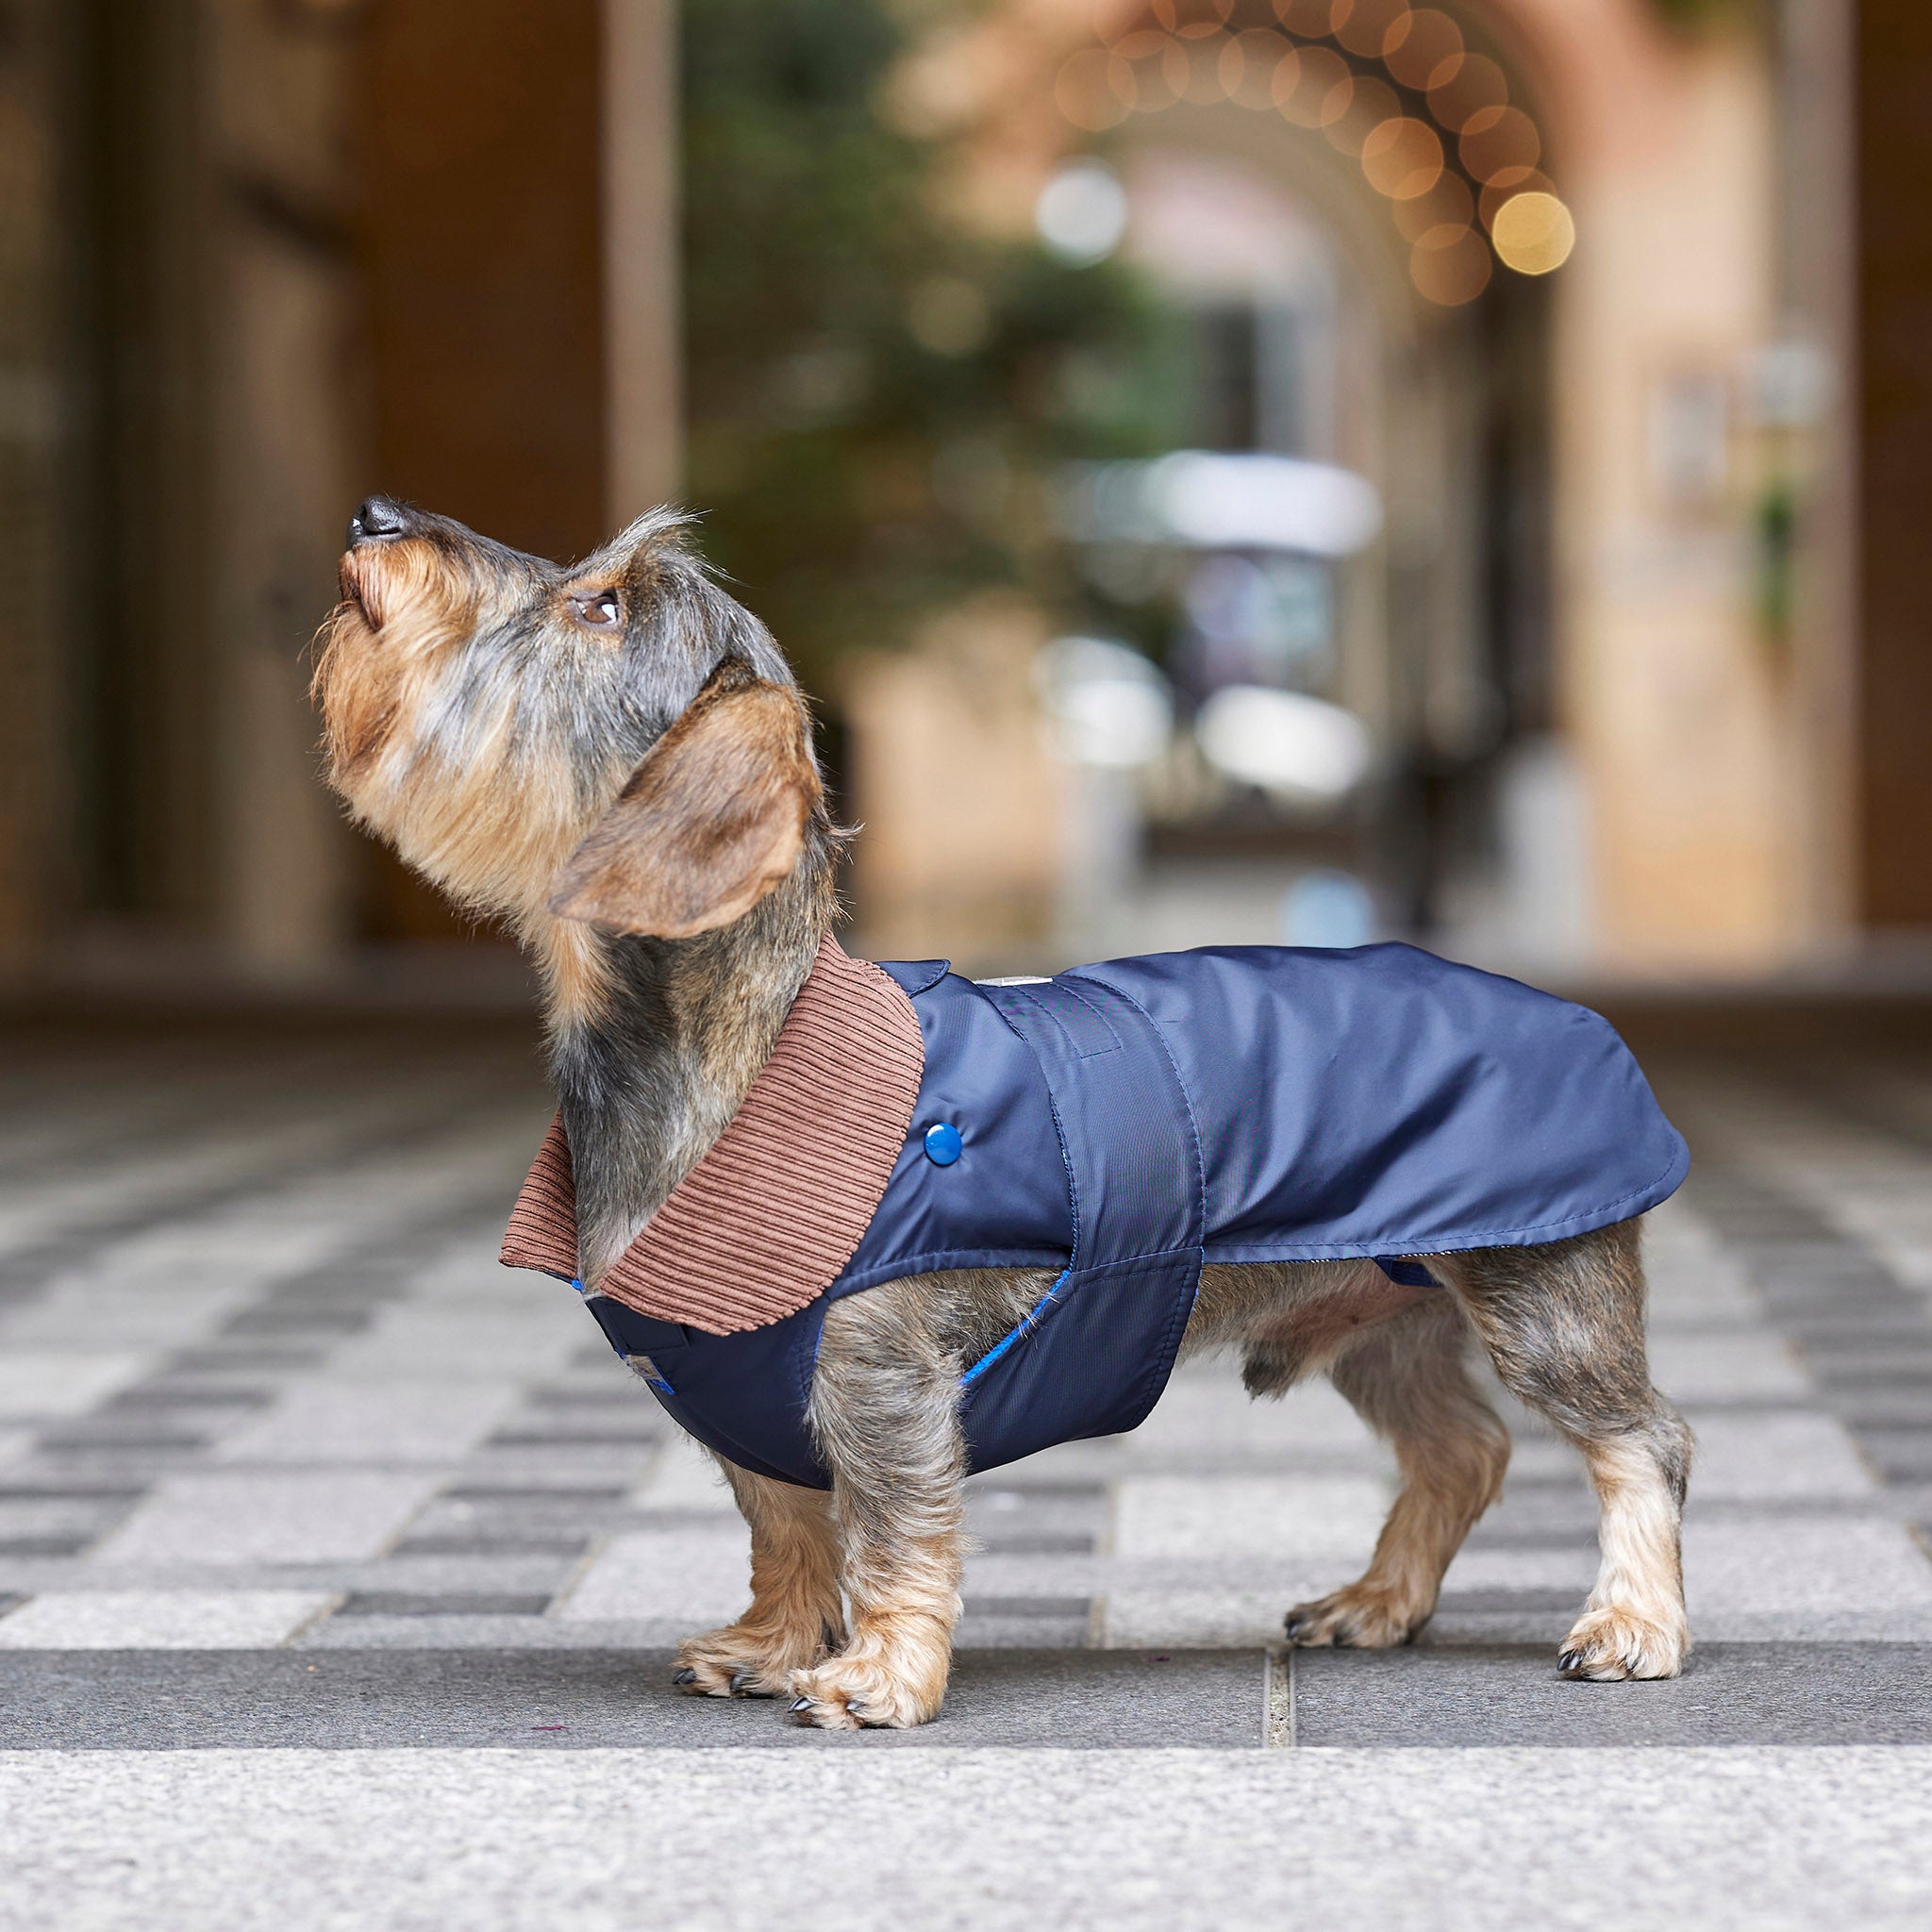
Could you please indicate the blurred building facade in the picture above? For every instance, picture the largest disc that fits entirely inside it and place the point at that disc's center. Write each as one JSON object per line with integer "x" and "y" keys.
{"x": 1611, "y": 615}
{"x": 1638, "y": 640}
{"x": 260, "y": 257}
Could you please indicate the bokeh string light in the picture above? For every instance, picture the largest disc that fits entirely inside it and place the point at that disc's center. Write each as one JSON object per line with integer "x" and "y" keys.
{"x": 1533, "y": 233}
{"x": 1394, "y": 87}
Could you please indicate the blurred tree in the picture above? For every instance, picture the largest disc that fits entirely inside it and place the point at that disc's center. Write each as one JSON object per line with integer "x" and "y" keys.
{"x": 877, "y": 394}
{"x": 1694, "y": 16}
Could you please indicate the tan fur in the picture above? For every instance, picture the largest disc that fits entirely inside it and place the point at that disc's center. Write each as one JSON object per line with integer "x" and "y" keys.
{"x": 892, "y": 1671}
{"x": 487, "y": 819}
{"x": 1563, "y": 1325}
{"x": 1410, "y": 1380}
{"x": 1634, "y": 1625}
{"x": 1399, "y": 1355}
{"x": 576, "y": 981}
{"x": 1291, "y": 1320}
{"x": 476, "y": 720}
{"x": 401, "y": 610}
{"x": 796, "y": 1612}
{"x": 711, "y": 821}
{"x": 885, "y": 1414}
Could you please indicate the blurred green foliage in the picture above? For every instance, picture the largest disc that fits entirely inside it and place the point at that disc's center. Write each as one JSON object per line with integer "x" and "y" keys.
{"x": 876, "y": 397}
{"x": 1696, "y": 16}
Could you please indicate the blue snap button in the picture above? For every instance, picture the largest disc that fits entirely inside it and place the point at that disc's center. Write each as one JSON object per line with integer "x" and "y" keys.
{"x": 943, "y": 1144}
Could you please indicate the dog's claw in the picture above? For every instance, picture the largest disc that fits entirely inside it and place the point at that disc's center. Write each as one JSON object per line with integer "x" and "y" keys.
{"x": 799, "y": 1704}
{"x": 687, "y": 1676}
{"x": 743, "y": 1685}
{"x": 1569, "y": 1663}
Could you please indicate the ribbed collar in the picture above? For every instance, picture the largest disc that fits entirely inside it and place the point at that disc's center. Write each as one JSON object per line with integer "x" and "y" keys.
{"x": 768, "y": 1219}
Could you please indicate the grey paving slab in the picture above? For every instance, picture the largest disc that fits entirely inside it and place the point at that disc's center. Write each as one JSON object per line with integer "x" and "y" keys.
{"x": 386, "y": 1422}
{"x": 1731, "y": 1694}
{"x": 572, "y": 1699}
{"x": 282, "y": 1516}
{"x": 1771, "y": 1455}
{"x": 832, "y": 1838}
{"x": 37, "y": 1382}
{"x": 1314, "y": 1516}
{"x": 1692, "y": 1369}
{"x": 407, "y": 1603}
{"x": 1899, "y": 1454}
{"x": 1788, "y": 1576}
{"x": 158, "y": 1619}
{"x": 696, "y": 1573}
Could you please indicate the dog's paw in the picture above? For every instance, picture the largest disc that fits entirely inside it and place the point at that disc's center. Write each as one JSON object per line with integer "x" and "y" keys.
{"x": 1610, "y": 1644}
{"x": 851, "y": 1692}
{"x": 738, "y": 1661}
{"x": 1361, "y": 1617}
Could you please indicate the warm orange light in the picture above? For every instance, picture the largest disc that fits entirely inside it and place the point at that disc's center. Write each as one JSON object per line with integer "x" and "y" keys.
{"x": 1450, "y": 265}
{"x": 1533, "y": 233}
{"x": 1150, "y": 71}
{"x": 1193, "y": 19}
{"x": 1402, "y": 158}
{"x": 1248, "y": 65}
{"x": 1176, "y": 69}
{"x": 1447, "y": 205}
{"x": 1506, "y": 182}
{"x": 1369, "y": 103}
{"x": 1498, "y": 138}
{"x": 1201, "y": 83}
{"x": 1315, "y": 89}
{"x": 1364, "y": 26}
{"x": 1422, "y": 49}
{"x": 1474, "y": 83}
{"x": 1308, "y": 18}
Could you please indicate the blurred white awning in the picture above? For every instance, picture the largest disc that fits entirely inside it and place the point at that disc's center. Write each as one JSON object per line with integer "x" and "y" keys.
{"x": 1206, "y": 501}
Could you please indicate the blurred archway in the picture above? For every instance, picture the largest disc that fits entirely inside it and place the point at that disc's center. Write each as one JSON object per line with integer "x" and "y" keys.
{"x": 1352, "y": 203}
{"x": 1593, "y": 702}
{"x": 1351, "y": 213}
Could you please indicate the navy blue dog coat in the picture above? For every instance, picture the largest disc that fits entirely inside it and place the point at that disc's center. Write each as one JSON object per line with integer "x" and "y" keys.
{"x": 1121, "y": 1124}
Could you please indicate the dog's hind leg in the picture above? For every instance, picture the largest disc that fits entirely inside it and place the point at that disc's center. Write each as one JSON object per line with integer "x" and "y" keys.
{"x": 1563, "y": 1325}
{"x": 795, "y": 1615}
{"x": 1408, "y": 1380}
{"x": 885, "y": 1412}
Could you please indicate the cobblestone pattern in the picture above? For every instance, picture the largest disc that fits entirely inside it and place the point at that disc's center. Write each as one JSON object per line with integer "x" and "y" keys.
{"x": 286, "y": 1459}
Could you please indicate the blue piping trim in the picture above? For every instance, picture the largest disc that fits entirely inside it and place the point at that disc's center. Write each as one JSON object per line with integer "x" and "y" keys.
{"x": 993, "y": 1354}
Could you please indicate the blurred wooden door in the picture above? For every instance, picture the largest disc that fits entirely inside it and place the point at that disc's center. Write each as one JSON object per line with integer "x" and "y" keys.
{"x": 478, "y": 177}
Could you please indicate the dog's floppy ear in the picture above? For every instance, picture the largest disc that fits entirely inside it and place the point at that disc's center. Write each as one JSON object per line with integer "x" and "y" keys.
{"x": 710, "y": 822}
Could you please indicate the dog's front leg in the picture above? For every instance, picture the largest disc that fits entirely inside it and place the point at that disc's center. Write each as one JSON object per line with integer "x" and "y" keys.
{"x": 885, "y": 1410}
{"x": 795, "y": 1614}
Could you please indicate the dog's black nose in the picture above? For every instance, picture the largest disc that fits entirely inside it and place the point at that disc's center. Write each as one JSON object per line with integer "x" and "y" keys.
{"x": 377, "y": 516}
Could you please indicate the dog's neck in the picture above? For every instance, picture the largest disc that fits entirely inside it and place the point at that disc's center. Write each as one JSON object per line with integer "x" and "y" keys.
{"x": 650, "y": 1068}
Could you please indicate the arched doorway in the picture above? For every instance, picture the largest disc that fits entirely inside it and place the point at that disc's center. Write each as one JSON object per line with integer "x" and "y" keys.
{"x": 1353, "y": 208}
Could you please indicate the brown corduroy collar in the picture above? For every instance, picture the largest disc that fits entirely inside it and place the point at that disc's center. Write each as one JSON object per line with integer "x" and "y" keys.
{"x": 768, "y": 1219}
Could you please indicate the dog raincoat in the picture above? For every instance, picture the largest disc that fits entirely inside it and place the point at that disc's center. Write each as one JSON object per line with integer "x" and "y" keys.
{"x": 1121, "y": 1124}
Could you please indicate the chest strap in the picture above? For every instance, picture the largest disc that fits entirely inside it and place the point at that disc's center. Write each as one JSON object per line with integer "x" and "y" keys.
{"x": 1093, "y": 1359}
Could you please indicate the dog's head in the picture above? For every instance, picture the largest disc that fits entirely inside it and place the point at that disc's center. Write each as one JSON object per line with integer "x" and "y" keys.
{"x": 615, "y": 742}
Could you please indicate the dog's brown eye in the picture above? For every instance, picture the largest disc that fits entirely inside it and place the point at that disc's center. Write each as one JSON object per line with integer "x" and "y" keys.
{"x": 601, "y": 610}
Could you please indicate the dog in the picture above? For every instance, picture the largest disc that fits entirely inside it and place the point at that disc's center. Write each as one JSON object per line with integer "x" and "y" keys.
{"x": 615, "y": 759}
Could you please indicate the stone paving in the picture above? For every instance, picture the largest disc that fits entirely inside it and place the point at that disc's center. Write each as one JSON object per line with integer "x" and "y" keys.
{"x": 339, "y": 1565}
